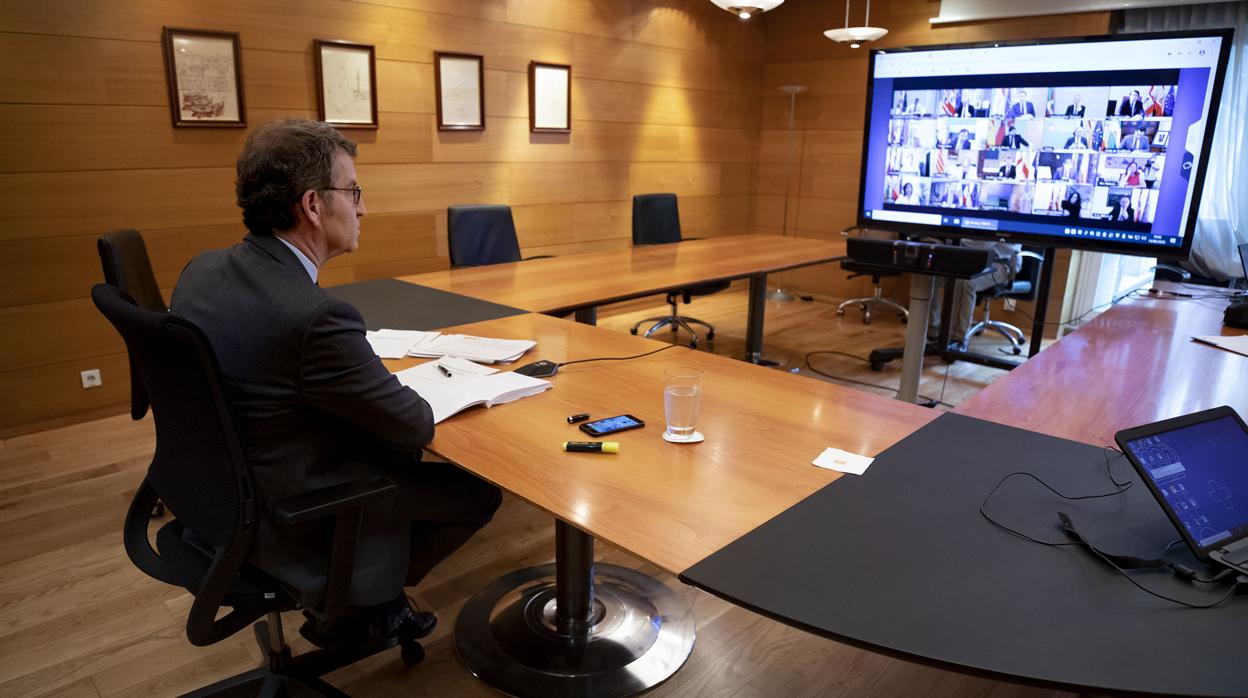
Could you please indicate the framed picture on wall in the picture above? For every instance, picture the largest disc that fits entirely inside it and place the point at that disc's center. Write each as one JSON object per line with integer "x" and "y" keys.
{"x": 550, "y": 97}
{"x": 459, "y": 79}
{"x": 346, "y": 84}
{"x": 205, "y": 76}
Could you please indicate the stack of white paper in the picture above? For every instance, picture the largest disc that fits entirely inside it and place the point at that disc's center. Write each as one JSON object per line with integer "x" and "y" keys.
{"x": 1235, "y": 343}
{"x": 480, "y": 349}
{"x": 453, "y": 395}
{"x": 394, "y": 344}
{"x": 432, "y": 372}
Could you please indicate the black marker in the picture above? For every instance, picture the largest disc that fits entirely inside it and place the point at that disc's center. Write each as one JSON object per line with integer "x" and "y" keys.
{"x": 444, "y": 371}
{"x": 592, "y": 446}
{"x": 578, "y": 418}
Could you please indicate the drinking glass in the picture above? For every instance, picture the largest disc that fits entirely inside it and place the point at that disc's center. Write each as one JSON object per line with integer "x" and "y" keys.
{"x": 682, "y": 398}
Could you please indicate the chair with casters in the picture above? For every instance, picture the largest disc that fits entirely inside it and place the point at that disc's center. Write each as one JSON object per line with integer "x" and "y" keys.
{"x": 1023, "y": 287}
{"x": 656, "y": 221}
{"x": 481, "y": 234}
{"x": 870, "y": 303}
{"x": 199, "y": 470}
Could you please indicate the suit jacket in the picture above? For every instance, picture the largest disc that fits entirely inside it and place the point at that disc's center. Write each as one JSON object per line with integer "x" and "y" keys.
{"x": 1071, "y": 111}
{"x": 1013, "y": 140}
{"x": 1126, "y": 108}
{"x": 314, "y": 404}
{"x": 1076, "y": 142}
{"x": 1135, "y": 141}
{"x": 1022, "y": 109}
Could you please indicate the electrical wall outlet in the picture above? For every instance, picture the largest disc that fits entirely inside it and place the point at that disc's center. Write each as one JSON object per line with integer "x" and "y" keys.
{"x": 1011, "y": 305}
{"x": 91, "y": 378}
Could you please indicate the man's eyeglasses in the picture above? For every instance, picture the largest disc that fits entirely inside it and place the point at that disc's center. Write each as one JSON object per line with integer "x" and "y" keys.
{"x": 356, "y": 192}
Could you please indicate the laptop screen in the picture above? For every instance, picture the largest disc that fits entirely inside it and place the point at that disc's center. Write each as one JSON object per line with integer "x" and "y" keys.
{"x": 1243, "y": 258}
{"x": 1202, "y": 472}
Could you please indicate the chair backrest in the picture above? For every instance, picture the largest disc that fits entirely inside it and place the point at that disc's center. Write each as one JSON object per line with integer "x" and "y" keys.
{"x": 481, "y": 234}
{"x": 199, "y": 470}
{"x": 656, "y": 219}
{"x": 127, "y": 266}
{"x": 1028, "y": 278}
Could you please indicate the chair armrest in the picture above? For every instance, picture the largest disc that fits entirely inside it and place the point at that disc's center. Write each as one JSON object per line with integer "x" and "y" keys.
{"x": 327, "y": 501}
{"x": 538, "y": 256}
{"x": 1027, "y": 254}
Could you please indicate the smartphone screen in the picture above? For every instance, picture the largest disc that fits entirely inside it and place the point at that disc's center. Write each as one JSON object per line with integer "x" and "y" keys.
{"x": 610, "y": 425}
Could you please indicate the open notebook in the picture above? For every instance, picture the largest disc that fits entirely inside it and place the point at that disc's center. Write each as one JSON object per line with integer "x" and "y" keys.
{"x": 464, "y": 390}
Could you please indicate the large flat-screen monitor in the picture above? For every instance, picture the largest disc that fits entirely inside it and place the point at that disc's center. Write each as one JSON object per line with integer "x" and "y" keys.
{"x": 1094, "y": 142}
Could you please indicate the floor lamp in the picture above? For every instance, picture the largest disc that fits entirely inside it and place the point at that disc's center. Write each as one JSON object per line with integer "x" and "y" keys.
{"x": 792, "y": 91}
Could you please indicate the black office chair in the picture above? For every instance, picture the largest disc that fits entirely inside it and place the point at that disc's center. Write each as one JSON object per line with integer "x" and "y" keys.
{"x": 1024, "y": 287}
{"x": 482, "y": 234}
{"x": 656, "y": 221}
{"x": 868, "y": 304}
{"x": 127, "y": 266}
{"x": 200, "y": 472}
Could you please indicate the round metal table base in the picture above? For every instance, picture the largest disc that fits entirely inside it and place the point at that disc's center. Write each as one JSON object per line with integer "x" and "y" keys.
{"x": 639, "y": 633}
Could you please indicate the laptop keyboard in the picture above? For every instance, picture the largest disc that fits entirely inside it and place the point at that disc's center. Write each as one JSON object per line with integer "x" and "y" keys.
{"x": 1236, "y": 557}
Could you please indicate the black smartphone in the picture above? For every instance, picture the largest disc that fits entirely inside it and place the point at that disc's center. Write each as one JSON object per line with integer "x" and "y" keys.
{"x": 610, "y": 425}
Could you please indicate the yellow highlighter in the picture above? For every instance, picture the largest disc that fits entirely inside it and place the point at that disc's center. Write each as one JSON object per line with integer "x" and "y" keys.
{"x": 592, "y": 446}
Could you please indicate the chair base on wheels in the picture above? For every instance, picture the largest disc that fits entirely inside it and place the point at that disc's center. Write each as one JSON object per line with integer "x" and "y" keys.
{"x": 677, "y": 323}
{"x": 1004, "y": 329}
{"x": 868, "y": 303}
{"x": 288, "y": 675}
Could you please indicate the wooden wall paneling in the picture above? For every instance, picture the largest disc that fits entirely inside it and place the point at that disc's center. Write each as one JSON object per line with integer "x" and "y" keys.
{"x": 566, "y": 182}
{"x": 71, "y": 138}
{"x": 406, "y": 86}
{"x": 669, "y": 83}
{"x": 51, "y": 333}
{"x": 55, "y": 390}
{"x": 505, "y": 139}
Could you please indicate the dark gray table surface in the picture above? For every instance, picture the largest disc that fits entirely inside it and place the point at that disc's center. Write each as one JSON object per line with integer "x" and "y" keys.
{"x": 398, "y": 305}
{"x": 900, "y": 561}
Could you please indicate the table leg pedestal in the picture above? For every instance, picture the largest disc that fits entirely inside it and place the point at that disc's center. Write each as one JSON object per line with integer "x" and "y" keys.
{"x": 574, "y": 628}
{"x": 921, "y": 288}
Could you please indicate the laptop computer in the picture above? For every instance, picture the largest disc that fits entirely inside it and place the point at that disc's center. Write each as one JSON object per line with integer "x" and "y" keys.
{"x": 1243, "y": 259}
{"x": 1197, "y": 468}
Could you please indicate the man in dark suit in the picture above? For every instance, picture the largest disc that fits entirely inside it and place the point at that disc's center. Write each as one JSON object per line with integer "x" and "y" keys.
{"x": 1013, "y": 140}
{"x": 1076, "y": 140}
{"x": 961, "y": 141}
{"x": 314, "y": 403}
{"x": 1137, "y": 140}
{"x": 1131, "y": 105}
{"x": 1023, "y": 107}
{"x": 1076, "y": 107}
{"x": 1122, "y": 210}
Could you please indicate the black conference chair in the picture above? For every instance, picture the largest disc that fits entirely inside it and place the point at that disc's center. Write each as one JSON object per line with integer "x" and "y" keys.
{"x": 656, "y": 221}
{"x": 201, "y": 474}
{"x": 870, "y": 303}
{"x": 482, "y": 234}
{"x": 1023, "y": 287}
{"x": 127, "y": 266}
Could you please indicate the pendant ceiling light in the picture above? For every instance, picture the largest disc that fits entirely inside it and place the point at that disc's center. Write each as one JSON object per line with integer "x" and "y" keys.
{"x": 748, "y": 8}
{"x": 854, "y": 36}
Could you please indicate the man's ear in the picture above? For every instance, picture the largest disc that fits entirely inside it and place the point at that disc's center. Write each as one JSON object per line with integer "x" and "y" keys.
{"x": 311, "y": 207}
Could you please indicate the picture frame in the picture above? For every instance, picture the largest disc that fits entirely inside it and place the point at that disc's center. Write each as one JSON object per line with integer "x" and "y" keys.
{"x": 550, "y": 97}
{"x": 459, "y": 81}
{"x": 346, "y": 83}
{"x": 204, "y": 72}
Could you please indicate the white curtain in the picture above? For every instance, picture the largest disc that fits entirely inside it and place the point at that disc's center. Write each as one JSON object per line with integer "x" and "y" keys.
{"x": 1222, "y": 223}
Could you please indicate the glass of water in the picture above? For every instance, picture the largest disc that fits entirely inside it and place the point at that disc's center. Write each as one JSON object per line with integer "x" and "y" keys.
{"x": 682, "y": 398}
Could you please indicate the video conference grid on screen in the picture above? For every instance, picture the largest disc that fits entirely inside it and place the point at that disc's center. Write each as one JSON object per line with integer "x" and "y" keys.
{"x": 1051, "y": 148}
{"x": 1041, "y": 150}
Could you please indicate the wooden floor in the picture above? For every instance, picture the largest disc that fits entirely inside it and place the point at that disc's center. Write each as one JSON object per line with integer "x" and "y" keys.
{"x": 77, "y": 619}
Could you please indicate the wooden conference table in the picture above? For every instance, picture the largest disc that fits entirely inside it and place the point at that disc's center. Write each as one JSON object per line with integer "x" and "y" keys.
{"x": 668, "y": 504}
{"x": 580, "y": 283}
{"x": 1134, "y": 364}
